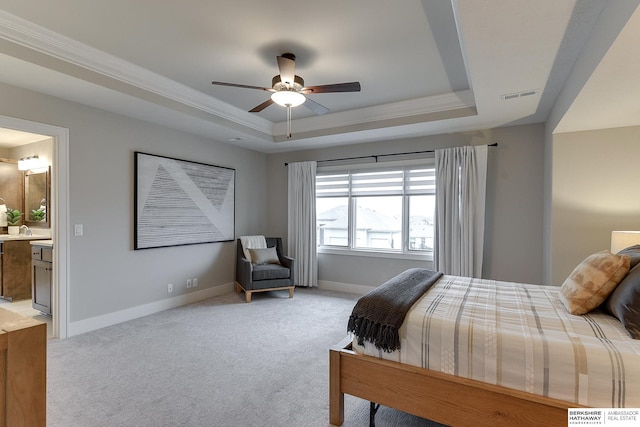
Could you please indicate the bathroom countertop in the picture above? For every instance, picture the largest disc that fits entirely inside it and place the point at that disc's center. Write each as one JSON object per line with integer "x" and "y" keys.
{"x": 47, "y": 242}
{"x": 7, "y": 237}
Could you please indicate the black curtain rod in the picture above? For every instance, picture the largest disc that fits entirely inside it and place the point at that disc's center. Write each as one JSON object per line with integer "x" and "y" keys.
{"x": 375, "y": 156}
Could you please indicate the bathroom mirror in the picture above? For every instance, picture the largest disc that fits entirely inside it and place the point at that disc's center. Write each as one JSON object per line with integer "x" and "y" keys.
{"x": 36, "y": 197}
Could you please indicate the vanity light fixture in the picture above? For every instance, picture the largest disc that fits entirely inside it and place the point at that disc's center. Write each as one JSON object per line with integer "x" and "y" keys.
{"x": 31, "y": 162}
{"x": 23, "y": 164}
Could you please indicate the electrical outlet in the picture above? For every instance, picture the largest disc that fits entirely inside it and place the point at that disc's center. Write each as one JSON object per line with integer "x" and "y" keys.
{"x": 188, "y": 283}
{"x": 195, "y": 282}
{"x": 170, "y": 287}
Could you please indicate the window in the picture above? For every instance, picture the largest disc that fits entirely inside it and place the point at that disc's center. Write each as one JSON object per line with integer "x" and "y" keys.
{"x": 385, "y": 209}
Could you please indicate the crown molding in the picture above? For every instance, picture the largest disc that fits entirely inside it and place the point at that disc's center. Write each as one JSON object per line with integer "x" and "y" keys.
{"x": 50, "y": 43}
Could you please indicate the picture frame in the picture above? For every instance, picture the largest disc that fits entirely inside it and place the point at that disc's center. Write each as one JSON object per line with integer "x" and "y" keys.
{"x": 180, "y": 202}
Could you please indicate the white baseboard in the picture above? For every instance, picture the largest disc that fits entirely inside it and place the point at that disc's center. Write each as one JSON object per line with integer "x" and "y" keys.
{"x": 93, "y": 323}
{"x": 344, "y": 287}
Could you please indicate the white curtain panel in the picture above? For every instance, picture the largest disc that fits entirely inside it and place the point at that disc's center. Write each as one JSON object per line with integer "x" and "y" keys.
{"x": 461, "y": 177}
{"x": 302, "y": 222}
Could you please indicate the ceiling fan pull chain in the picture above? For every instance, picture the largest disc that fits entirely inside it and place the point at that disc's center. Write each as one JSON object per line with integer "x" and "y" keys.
{"x": 288, "y": 121}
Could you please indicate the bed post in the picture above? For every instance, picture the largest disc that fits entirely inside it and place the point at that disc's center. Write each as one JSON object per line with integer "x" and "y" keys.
{"x": 336, "y": 397}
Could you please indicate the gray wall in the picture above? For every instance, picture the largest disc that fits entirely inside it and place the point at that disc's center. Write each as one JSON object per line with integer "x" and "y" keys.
{"x": 106, "y": 274}
{"x": 594, "y": 191}
{"x": 513, "y": 238}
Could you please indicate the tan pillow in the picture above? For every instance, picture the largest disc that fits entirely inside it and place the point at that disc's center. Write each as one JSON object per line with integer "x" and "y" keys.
{"x": 592, "y": 281}
{"x": 264, "y": 256}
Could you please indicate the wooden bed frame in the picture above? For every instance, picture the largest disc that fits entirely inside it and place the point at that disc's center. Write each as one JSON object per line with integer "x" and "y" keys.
{"x": 433, "y": 395}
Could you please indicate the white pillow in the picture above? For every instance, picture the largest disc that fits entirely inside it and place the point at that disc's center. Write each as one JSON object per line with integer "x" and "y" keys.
{"x": 264, "y": 256}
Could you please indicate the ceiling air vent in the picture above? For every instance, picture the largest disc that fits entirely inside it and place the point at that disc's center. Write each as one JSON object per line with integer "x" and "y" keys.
{"x": 517, "y": 95}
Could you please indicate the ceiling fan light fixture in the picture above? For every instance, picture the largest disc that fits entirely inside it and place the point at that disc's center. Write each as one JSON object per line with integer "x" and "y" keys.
{"x": 288, "y": 98}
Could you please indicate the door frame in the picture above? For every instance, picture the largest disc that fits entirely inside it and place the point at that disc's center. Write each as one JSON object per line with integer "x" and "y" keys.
{"x": 59, "y": 218}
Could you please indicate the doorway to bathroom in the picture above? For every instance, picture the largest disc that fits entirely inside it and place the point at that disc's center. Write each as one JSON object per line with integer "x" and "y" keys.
{"x": 15, "y": 133}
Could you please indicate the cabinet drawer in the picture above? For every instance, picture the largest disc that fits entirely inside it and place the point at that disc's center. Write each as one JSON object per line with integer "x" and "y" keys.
{"x": 41, "y": 253}
{"x": 47, "y": 254}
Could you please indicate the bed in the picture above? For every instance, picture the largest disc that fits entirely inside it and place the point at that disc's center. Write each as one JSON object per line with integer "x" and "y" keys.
{"x": 483, "y": 352}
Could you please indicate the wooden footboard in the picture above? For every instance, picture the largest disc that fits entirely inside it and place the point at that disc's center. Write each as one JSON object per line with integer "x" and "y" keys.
{"x": 433, "y": 395}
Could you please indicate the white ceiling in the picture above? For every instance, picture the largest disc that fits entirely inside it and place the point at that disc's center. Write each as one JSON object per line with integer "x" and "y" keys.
{"x": 425, "y": 67}
{"x": 10, "y": 138}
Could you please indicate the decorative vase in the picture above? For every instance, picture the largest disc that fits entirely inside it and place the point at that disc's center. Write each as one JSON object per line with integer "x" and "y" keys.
{"x": 14, "y": 229}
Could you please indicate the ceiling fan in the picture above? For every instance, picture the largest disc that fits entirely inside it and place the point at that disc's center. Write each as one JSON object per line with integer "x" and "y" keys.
{"x": 289, "y": 89}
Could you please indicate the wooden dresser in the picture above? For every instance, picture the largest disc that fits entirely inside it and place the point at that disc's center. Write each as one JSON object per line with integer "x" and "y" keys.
{"x": 23, "y": 370}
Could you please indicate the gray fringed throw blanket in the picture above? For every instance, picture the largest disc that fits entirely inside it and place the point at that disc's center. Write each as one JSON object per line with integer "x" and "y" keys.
{"x": 378, "y": 315}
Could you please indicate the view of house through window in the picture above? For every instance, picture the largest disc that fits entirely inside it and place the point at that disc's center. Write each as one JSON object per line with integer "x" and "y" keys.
{"x": 378, "y": 222}
{"x": 422, "y": 210}
{"x": 388, "y": 210}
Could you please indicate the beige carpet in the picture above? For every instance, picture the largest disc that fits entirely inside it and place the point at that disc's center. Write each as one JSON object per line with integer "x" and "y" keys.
{"x": 219, "y": 362}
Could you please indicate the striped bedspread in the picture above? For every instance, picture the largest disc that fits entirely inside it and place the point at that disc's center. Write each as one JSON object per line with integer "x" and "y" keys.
{"x": 519, "y": 336}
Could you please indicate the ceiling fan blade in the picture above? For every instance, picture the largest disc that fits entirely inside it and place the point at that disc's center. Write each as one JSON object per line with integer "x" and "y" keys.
{"x": 287, "y": 67}
{"x": 319, "y": 109}
{"x": 243, "y": 86}
{"x": 337, "y": 87}
{"x": 262, "y": 106}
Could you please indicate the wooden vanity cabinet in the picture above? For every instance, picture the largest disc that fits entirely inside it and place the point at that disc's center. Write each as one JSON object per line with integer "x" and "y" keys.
{"x": 15, "y": 270}
{"x": 42, "y": 277}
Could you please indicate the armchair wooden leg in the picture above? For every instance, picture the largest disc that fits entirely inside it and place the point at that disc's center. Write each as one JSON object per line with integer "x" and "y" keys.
{"x": 247, "y": 296}
{"x": 291, "y": 292}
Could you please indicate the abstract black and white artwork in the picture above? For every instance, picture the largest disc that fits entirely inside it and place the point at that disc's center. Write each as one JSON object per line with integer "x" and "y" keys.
{"x": 178, "y": 202}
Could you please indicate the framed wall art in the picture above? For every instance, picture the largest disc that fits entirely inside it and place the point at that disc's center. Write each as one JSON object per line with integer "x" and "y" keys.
{"x": 178, "y": 202}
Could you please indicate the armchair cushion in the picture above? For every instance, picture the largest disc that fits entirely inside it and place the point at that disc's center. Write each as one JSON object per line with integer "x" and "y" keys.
{"x": 264, "y": 256}
{"x": 269, "y": 272}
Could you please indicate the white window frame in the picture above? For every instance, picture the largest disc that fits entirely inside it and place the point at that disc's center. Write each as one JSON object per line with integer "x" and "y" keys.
{"x": 350, "y": 249}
